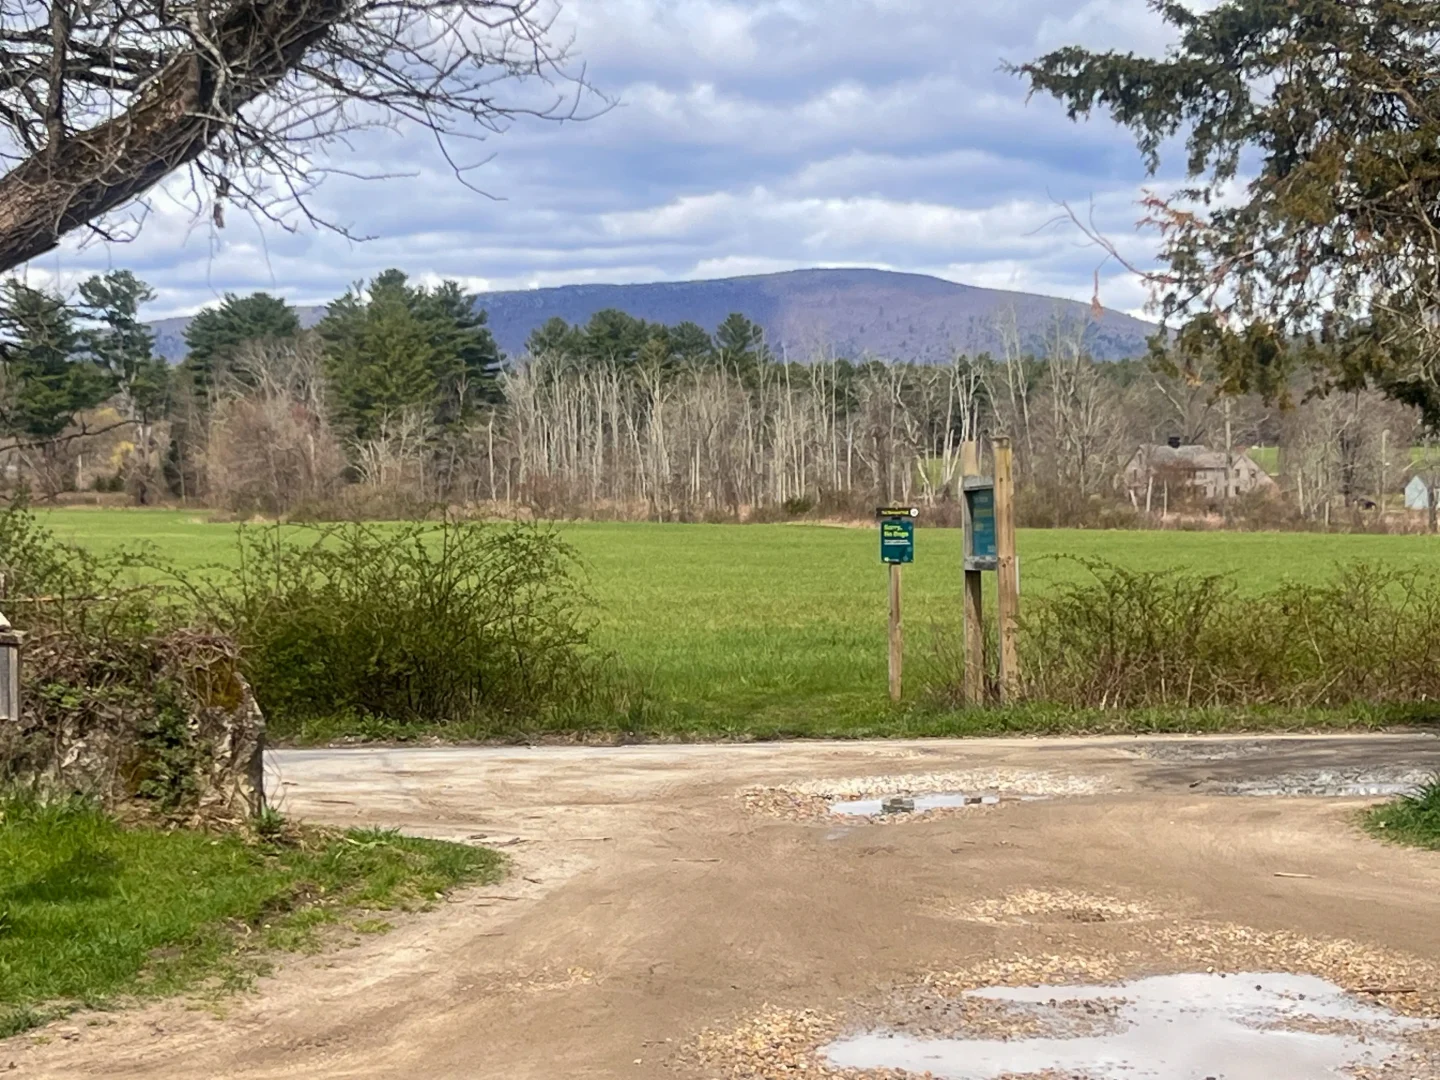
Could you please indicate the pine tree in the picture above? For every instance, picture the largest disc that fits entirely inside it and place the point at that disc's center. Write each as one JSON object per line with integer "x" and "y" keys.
{"x": 122, "y": 345}
{"x": 215, "y": 333}
{"x": 47, "y": 383}
{"x": 395, "y": 347}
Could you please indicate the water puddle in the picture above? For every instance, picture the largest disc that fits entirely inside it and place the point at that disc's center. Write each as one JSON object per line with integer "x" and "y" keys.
{"x": 1172, "y": 1027}
{"x": 909, "y": 804}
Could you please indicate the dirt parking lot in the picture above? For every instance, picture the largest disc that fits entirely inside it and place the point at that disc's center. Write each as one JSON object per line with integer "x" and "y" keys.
{"x": 705, "y": 911}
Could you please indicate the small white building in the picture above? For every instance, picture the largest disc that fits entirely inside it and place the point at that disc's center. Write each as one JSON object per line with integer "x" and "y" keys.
{"x": 1417, "y": 494}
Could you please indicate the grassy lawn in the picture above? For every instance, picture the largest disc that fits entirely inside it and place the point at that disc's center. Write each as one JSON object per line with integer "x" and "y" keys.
{"x": 780, "y": 629}
{"x": 1410, "y": 819}
{"x": 91, "y": 913}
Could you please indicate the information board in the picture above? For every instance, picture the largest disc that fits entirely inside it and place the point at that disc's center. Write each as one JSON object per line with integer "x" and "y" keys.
{"x": 981, "y": 552}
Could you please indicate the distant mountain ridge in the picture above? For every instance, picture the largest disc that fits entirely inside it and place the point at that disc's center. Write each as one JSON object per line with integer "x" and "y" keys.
{"x": 805, "y": 313}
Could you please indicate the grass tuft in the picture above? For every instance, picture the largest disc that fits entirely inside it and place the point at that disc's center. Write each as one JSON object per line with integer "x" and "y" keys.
{"x": 1412, "y": 819}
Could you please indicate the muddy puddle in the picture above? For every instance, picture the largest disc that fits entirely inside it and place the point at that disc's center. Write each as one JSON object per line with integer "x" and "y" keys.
{"x": 1172, "y": 1027}
{"x": 863, "y": 799}
{"x": 908, "y": 804}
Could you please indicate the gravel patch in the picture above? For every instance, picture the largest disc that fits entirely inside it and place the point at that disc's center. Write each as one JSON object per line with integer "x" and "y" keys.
{"x": 1208, "y": 750}
{"x": 1045, "y": 906}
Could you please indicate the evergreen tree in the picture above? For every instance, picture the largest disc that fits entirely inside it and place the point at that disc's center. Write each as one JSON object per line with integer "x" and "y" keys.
{"x": 214, "y": 333}
{"x": 657, "y": 353}
{"x": 740, "y": 344}
{"x": 556, "y": 338}
{"x": 613, "y": 336}
{"x": 691, "y": 343}
{"x": 468, "y": 360}
{"x": 46, "y": 382}
{"x": 122, "y": 345}
{"x": 1310, "y": 130}
{"x": 395, "y": 347}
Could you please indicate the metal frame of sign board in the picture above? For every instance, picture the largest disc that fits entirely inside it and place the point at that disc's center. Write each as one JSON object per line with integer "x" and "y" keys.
{"x": 969, "y": 486}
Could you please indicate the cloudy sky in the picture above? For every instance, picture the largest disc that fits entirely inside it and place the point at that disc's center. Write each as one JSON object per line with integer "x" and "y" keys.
{"x": 749, "y": 136}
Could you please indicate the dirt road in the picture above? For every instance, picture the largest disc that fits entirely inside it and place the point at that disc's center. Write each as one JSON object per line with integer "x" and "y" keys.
{"x": 700, "y": 911}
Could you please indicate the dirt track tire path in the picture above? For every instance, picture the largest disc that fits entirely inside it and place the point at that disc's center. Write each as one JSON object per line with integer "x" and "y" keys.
{"x": 647, "y": 904}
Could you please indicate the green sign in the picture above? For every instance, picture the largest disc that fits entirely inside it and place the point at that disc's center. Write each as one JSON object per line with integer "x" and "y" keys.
{"x": 897, "y": 539}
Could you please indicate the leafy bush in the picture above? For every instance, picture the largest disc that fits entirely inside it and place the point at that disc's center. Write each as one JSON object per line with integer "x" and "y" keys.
{"x": 421, "y": 621}
{"x": 1167, "y": 638}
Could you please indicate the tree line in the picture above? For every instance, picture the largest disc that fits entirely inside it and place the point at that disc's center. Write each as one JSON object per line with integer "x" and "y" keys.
{"x": 400, "y": 395}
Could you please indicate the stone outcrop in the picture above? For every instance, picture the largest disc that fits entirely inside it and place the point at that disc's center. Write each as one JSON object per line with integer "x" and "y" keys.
{"x": 163, "y": 727}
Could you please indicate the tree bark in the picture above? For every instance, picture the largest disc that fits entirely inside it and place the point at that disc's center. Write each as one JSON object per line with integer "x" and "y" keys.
{"x": 84, "y": 175}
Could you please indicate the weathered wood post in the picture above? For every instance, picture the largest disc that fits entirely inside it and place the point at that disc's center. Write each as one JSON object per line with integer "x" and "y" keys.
{"x": 974, "y": 597}
{"x": 9, "y": 671}
{"x": 897, "y": 547}
{"x": 1008, "y": 571}
{"x": 897, "y": 641}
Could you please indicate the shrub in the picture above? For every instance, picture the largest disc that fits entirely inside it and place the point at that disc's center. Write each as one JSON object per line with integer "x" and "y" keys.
{"x": 1125, "y": 638}
{"x": 420, "y": 621}
{"x": 108, "y": 484}
{"x": 367, "y": 502}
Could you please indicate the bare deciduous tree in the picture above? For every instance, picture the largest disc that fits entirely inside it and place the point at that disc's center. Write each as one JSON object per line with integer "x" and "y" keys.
{"x": 102, "y": 99}
{"x": 269, "y": 446}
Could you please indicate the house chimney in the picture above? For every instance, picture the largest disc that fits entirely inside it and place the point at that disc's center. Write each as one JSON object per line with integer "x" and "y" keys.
{"x": 1173, "y": 442}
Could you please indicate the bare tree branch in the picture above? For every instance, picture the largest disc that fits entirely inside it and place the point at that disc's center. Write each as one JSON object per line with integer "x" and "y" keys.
{"x": 100, "y": 101}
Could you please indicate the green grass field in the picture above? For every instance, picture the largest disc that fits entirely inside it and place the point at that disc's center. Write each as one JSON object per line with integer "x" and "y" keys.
{"x": 780, "y": 629}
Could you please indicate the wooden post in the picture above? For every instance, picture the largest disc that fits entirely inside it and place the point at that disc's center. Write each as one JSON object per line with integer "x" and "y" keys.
{"x": 974, "y": 603}
{"x": 1008, "y": 571}
{"x": 9, "y": 672}
{"x": 896, "y": 641}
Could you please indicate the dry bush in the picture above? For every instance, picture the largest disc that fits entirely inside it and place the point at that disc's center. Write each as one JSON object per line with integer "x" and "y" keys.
{"x": 366, "y": 502}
